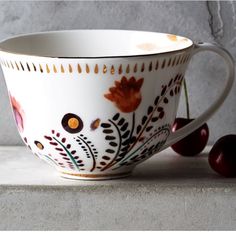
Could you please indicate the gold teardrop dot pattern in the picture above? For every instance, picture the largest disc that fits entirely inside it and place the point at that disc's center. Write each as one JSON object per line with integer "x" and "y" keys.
{"x": 109, "y": 69}
{"x": 96, "y": 69}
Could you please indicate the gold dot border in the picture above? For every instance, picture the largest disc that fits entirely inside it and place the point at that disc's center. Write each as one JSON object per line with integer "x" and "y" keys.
{"x": 104, "y": 69}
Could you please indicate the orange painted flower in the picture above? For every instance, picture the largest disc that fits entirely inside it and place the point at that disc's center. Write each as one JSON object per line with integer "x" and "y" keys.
{"x": 18, "y": 113}
{"x": 126, "y": 94}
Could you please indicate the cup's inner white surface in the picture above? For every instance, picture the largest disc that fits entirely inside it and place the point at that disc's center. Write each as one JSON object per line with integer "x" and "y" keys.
{"x": 94, "y": 43}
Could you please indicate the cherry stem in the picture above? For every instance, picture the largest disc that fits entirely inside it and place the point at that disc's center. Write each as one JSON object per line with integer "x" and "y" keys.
{"x": 186, "y": 99}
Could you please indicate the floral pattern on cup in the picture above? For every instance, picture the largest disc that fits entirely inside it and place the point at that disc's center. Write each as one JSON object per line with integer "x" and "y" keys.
{"x": 128, "y": 142}
{"x": 126, "y": 94}
{"x": 18, "y": 113}
{"x": 72, "y": 123}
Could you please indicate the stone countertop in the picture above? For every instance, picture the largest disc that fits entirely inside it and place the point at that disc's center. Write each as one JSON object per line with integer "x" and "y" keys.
{"x": 165, "y": 192}
{"x": 19, "y": 167}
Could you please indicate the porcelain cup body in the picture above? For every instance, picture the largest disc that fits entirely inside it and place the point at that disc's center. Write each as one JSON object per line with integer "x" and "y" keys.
{"x": 94, "y": 104}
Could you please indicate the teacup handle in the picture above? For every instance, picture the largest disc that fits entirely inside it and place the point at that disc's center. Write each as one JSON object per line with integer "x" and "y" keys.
{"x": 186, "y": 130}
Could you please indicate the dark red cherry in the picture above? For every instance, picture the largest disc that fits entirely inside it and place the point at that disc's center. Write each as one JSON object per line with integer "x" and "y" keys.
{"x": 222, "y": 157}
{"x": 194, "y": 143}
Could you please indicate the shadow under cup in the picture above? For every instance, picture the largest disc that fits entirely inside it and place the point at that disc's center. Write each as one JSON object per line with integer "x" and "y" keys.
{"x": 95, "y": 103}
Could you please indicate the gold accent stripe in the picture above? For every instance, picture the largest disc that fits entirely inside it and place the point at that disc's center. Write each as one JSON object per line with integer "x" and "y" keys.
{"x": 104, "y": 69}
{"x": 157, "y": 65}
{"x": 70, "y": 68}
{"x": 143, "y": 67}
{"x": 13, "y": 66}
{"x": 40, "y": 68}
{"x": 17, "y": 66}
{"x": 79, "y": 68}
{"x": 169, "y": 62}
{"x": 120, "y": 69}
{"x": 22, "y": 67}
{"x": 163, "y": 64}
{"x": 62, "y": 69}
{"x": 175, "y": 60}
{"x": 112, "y": 70}
{"x": 54, "y": 69}
{"x": 177, "y": 63}
{"x": 87, "y": 69}
{"x": 47, "y": 68}
{"x": 96, "y": 175}
{"x": 35, "y": 69}
{"x": 28, "y": 66}
{"x": 96, "y": 69}
{"x": 127, "y": 69}
{"x": 150, "y": 66}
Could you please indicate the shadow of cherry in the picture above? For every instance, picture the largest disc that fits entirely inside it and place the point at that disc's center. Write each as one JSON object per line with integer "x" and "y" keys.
{"x": 175, "y": 168}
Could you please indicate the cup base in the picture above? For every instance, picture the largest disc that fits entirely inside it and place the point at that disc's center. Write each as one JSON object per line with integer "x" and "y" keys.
{"x": 94, "y": 176}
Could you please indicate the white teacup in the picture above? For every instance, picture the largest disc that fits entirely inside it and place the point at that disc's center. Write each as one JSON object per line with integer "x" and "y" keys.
{"x": 95, "y": 103}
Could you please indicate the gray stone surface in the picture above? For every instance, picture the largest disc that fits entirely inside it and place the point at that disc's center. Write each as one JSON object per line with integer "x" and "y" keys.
{"x": 212, "y": 22}
{"x": 166, "y": 192}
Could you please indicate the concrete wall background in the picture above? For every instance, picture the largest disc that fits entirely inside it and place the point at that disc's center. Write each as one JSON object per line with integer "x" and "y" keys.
{"x": 205, "y": 21}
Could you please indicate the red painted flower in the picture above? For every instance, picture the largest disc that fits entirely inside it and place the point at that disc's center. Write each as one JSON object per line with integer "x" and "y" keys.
{"x": 126, "y": 94}
{"x": 18, "y": 113}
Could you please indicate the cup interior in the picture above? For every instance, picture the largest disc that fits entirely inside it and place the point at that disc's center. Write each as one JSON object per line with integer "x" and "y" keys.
{"x": 94, "y": 43}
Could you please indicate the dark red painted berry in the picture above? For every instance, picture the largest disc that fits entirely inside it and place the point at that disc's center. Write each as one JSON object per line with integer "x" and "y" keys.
{"x": 194, "y": 143}
{"x": 222, "y": 157}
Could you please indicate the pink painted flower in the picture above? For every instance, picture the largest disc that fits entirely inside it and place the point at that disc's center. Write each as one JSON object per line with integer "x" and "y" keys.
{"x": 18, "y": 113}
